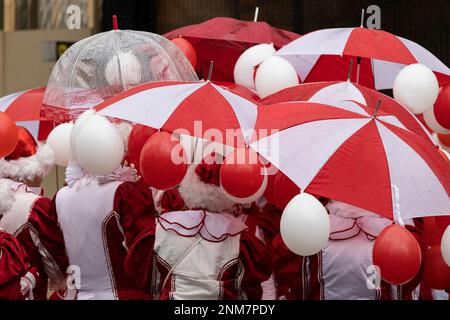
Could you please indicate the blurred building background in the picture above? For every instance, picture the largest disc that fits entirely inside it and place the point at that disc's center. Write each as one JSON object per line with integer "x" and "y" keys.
{"x": 36, "y": 32}
{"x": 423, "y": 21}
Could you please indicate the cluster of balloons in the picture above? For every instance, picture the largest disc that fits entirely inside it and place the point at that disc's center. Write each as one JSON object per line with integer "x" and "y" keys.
{"x": 164, "y": 163}
{"x": 93, "y": 141}
{"x": 8, "y": 134}
{"x": 259, "y": 69}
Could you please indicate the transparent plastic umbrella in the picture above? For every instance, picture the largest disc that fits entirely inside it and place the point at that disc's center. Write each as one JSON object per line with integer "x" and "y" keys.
{"x": 101, "y": 66}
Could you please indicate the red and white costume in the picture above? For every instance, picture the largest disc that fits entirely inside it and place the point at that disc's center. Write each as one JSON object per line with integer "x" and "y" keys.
{"x": 27, "y": 221}
{"x": 99, "y": 218}
{"x": 25, "y": 213}
{"x": 343, "y": 269}
{"x": 209, "y": 251}
{"x": 17, "y": 278}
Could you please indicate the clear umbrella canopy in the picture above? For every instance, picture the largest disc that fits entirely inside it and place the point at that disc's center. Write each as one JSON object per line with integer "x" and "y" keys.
{"x": 103, "y": 65}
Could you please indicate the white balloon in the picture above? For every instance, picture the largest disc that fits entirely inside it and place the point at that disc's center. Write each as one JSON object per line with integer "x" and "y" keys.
{"x": 416, "y": 87}
{"x": 99, "y": 147}
{"x": 244, "y": 67}
{"x": 77, "y": 127}
{"x": 273, "y": 75}
{"x": 430, "y": 120}
{"x": 254, "y": 197}
{"x": 59, "y": 141}
{"x": 305, "y": 225}
{"x": 129, "y": 73}
{"x": 445, "y": 246}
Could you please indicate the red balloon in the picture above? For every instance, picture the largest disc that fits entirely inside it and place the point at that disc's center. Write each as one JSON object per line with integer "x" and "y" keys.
{"x": 242, "y": 173}
{"x": 284, "y": 190}
{"x": 138, "y": 137}
{"x": 8, "y": 135}
{"x": 442, "y": 107}
{"x": 436, "y": 273}
{"x": 397, "y": 253}
{"x": 163, "y": 161}
{"x": 444, "y": 139}
{"x": 188, "y": 50}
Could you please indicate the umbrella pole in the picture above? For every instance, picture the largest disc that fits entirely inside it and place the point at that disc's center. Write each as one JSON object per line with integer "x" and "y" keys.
{"x": 349, "y": 75}
{"x": 358, "y": 67}
{"x": 210, "y": 71}
{"x": 255, "y": 19}
{"x": 57, "y": 178}
{"x": 376, "y": 109}
{"x": 119, "y": 65}
{"x": 362, "y": 18}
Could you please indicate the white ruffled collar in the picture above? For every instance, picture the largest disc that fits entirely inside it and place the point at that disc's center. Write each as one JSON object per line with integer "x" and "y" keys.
{"x": 348, "y": 221}
{"x": 212, "y": 227}
{"x": 76, "y": 176}
{"x": 20, "y": 186}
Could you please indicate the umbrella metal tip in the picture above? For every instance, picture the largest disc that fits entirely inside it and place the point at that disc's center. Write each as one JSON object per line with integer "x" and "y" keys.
{"x": 115, "y": 23}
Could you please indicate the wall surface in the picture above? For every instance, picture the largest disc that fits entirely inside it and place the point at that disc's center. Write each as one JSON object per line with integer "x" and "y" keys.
{"x": 23, "y": 62}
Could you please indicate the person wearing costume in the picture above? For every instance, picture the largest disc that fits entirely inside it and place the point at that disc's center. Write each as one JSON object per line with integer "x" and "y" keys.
{"x": 25, "y": 212}
{"x": 207, "y": 250}
{"x": 342, "y": 270}
{"x": 17, "y": 277}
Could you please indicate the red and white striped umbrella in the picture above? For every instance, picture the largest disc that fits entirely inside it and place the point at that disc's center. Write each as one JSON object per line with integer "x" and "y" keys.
{"x": 324, "y": 55}
{"x": 25, "y": 109}
{"x": 353, "y": 97}
{"x": 368, "y": 161}
{"x": 200, "y": 109}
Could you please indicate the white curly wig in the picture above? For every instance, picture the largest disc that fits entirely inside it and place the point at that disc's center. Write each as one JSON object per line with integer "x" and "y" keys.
{"x": 28, "y": 168}
{"x": 197, "y": 194}
{"x": 6, "y": 196}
